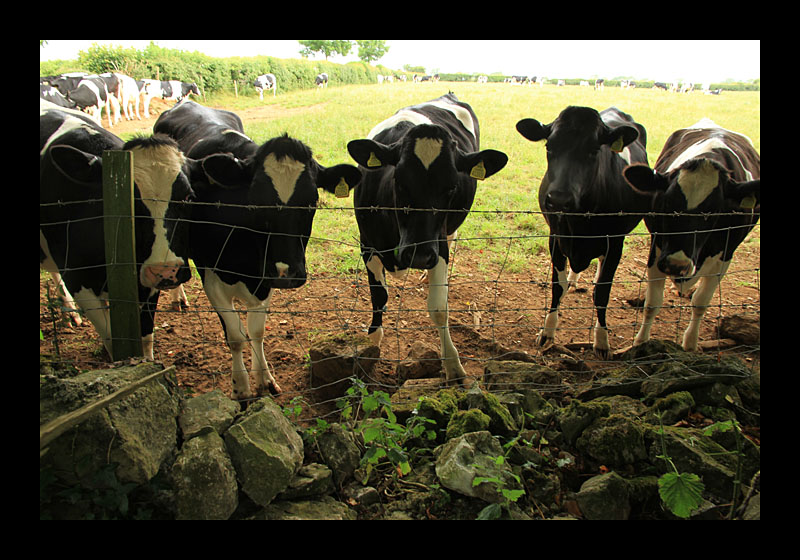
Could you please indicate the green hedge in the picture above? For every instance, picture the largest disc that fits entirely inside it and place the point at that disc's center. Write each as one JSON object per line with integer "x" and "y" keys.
{"x": 211, "y": 74}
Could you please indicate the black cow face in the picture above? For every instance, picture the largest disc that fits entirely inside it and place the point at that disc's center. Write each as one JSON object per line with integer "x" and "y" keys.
{"x": 575, "y": 141}
{"x": 687, "y": 203}
{"x": 162, "y": 190}
{"x": 431, "y": 175}
{"x": 282, "y": 181}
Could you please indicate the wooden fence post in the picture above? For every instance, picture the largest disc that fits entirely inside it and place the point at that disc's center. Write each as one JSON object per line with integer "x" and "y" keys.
{"x": 118, "y": 225}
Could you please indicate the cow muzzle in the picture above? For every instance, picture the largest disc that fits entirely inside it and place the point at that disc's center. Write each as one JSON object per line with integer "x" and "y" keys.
{"x": 419, "y": 255}
{"x": 560, "y": 201}
{"x": 164, "y": 276}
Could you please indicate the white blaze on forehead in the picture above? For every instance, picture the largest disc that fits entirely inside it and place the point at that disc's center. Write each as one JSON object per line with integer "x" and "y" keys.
{"x": 155, "y": 169}
{"x": 698, "y": 184}
{"x": 284, "y": 174}
{"x": 427, "y": 150}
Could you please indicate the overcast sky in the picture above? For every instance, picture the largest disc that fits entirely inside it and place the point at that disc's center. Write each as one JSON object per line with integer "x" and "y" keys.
{"x": 660, "y": 60}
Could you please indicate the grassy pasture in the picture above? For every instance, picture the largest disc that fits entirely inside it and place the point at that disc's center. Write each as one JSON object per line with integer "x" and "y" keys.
{"x": 327, "y": 119}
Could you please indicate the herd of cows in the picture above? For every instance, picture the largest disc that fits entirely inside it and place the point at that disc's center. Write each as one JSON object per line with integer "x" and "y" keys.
{"x": 113, "y": 91}
{"x": 243, "y": 212}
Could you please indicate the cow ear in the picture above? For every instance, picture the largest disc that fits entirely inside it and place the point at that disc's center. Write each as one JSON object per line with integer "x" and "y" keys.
{"x": 644, "y": 179}
{"x": 226, "y": 171}
{"x": 533, "y": 130}
{"x": 373, "y": 155}
{"x": 620, "y": 137}
{"x": 481, "y": 165}
{"x": 77, "y": 165}
{"x": 339, "y": 179}
{"x": 746, "y": 195}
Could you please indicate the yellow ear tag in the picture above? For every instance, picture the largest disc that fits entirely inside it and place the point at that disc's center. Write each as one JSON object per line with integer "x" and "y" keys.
{"x": 373, "y": 161}
{"x": 342, "y": 189}
{"x": 617, "y": 145}
{"x": 748, "y": 202}
{"x": 478, "y": 172}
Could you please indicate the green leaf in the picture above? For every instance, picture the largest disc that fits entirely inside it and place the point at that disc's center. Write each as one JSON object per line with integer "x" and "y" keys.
{"x": 371, "y": 433}
{"x": 369, "y": 404}
{"x": 490, "y": 512}
{"x": 512, "y": 495}
{"x": 396, "y": 456}
{"x": 681, "y": 492}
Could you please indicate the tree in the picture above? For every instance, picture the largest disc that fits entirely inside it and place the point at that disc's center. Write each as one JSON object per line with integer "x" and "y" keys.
{"x": 371, "y": 50}
{"x": 325, "y": 47}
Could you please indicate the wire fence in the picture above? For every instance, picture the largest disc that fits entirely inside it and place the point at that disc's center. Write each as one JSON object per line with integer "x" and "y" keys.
{"x": 494, "y": 314}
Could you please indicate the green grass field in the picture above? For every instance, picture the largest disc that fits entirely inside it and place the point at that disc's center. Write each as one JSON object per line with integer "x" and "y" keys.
{"x": 506, "y": 207}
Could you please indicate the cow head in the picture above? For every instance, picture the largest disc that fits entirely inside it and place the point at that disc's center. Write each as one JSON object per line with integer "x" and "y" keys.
{"x": 430, "y": 173}
{"x": 282, "y": 179}
{"x": 687, "y": 202}
{"x": 161, "y": 191}
{"x": 577, "y": 142}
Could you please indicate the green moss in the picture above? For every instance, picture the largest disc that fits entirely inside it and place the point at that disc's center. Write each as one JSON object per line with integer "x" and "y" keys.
{"x": 465, "y": 421}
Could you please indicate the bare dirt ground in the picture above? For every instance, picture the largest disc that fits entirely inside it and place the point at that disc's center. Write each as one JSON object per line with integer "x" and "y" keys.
{"x": 490, "y": 312}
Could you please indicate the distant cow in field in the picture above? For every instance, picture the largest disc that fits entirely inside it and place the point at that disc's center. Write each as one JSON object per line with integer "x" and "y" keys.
{"x": 581, "y": 195}
{"x": 91, "y": 95}
{"x": 421, "y": 169}
{"x": 266, "y": 82}
{"x": 321, "y": 80}
{"x": 250, "y": 232}
{"x": 706, "y": 198}
{"x": 171, "y": 90}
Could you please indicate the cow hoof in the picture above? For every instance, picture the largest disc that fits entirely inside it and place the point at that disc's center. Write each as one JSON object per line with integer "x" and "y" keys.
{"x": 544, "y": 342}
{"x": 603, "y": 353}
{"x": 272, "y": 388}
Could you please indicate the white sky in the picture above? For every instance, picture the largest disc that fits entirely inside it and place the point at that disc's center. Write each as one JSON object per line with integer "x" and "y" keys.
{"x": 697, "y": 61}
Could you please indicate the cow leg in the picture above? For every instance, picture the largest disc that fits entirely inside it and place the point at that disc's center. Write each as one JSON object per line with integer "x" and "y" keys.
{"x": 437, "y": 308}
{"x": 559, "y": 288}
{"x": 69, "y": 304}
{"x": 376, "y": 275}
{"x": 96, "y": 310}
{"x": 711, "y": 274}
{"x": 653, "y": 299}
{"x": 221, "y": 298}
{"x": 606, "y": 269}
{"x": 146, "y": 322}
{"x": 256, "y": 319}
{"x": 178, "y": 300}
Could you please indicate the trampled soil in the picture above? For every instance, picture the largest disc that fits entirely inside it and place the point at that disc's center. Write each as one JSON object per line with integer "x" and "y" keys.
{"x": 491, "y": 312}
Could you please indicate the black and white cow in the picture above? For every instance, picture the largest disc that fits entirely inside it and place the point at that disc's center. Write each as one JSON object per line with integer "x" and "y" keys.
{"x": 246, "y": 251}
{"x": 53, "y": 95}
{"x": 706, "y": 197}
{"x": 91, "y": 94}
{"x": 321, "y": 80}
{"x": 174, "y": 90}
{"x": 266, "y": 82}
{"x": 71, "y": 214}
{"x": 586, "y": 153}
{"x": 421, "y": 166}
{"x": 129, "y": 96}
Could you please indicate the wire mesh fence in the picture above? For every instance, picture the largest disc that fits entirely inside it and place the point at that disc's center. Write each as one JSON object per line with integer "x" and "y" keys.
{"x": 494, "y": 314}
